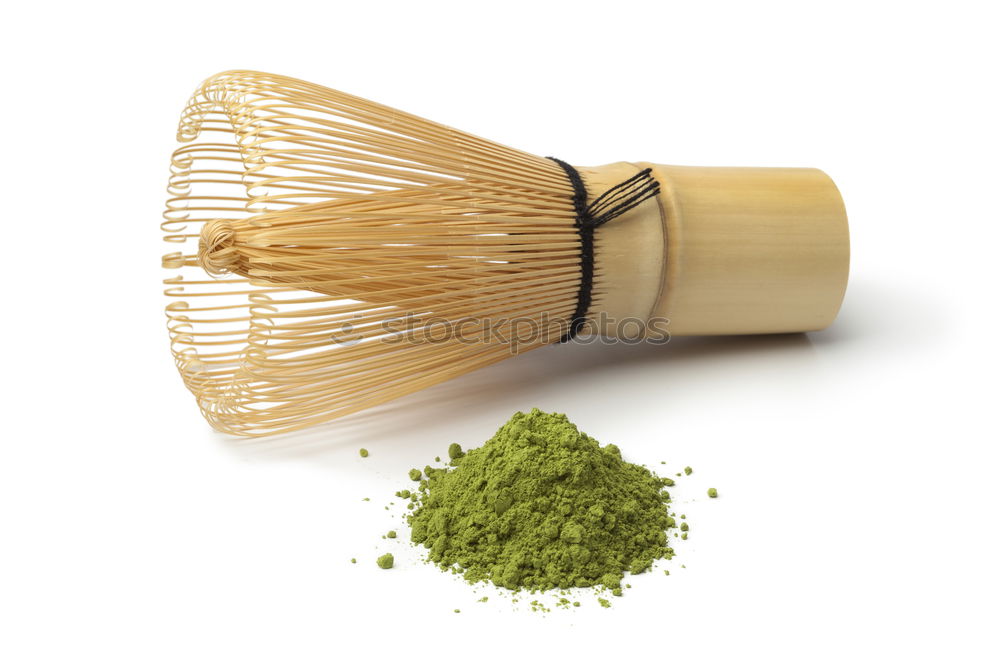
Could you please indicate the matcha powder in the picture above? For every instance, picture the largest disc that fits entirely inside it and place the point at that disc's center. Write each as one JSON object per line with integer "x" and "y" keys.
{"x": 541, "y": 506}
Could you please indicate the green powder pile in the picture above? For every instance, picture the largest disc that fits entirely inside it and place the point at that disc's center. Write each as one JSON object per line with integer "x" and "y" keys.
{"x": 542, "y": 506}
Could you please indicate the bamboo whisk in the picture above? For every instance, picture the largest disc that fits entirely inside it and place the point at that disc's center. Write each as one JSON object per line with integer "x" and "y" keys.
{"x": 335, "y": 254}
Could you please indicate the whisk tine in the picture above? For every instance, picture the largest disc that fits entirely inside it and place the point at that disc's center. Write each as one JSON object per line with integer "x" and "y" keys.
{"x": 333, "y": 224}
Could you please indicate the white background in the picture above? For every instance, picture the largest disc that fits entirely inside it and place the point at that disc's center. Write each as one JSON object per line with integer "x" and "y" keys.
{"x": 857, "y": 467}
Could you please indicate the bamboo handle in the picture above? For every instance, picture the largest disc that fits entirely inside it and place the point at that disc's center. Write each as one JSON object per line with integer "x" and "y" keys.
{"x": 725, "y": 250}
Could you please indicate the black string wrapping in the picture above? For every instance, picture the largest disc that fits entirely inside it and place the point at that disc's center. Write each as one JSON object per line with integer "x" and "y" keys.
{"x": 616, "y": 201}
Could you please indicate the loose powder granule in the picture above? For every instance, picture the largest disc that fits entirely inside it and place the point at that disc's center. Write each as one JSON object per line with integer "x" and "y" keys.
{"x": 541, "y": 506}
{"x": 384, "y": 561}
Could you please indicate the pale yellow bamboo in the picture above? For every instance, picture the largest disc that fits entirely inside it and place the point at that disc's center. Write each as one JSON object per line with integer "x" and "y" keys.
{"x": 343, "y": 235}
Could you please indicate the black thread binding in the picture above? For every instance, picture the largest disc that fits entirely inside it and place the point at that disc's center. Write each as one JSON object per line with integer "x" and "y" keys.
{"x": 617, "y": 200}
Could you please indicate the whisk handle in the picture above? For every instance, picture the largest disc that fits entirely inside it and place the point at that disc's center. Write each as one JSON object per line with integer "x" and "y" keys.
{"x": 727, "y": 250}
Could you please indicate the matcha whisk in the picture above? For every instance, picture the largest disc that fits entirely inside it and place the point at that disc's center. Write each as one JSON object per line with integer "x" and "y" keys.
{"x": 335, "y": 253}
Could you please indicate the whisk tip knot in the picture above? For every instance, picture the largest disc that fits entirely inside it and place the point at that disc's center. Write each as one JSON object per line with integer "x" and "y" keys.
{"x": 216, "y": 249}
